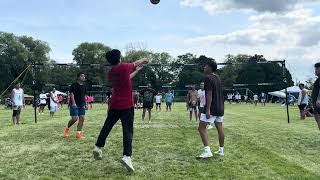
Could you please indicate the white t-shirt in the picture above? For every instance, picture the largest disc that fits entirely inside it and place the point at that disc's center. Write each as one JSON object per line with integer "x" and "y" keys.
{"x": 229, "y": 96}
{"x": 55, "y": 97}
{"x": 18, "y": 97}
{"x": 202, "y": 97}
{"x": 255, "y": 97}
{"x": 158, "y": 98}
{"x": 43, "y": 98}
{"x": 305, "y": 99}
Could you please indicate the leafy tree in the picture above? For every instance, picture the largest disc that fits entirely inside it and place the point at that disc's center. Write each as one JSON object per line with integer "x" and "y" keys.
{"x": 92, "y": 53}
{"x": 16, "y": 53}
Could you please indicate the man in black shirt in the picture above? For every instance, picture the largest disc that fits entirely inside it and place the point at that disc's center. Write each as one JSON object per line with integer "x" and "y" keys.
{"x": 77, "y": 105}
{"x": 148, "y": 96}
{"x": 315, "y": 97}
{"x": 214, "y": 109}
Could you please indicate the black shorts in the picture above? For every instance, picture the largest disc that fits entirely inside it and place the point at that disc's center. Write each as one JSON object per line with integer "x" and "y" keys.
{"x": 158, "y": 104}
{"x": 43, "y": 105}
{"x": 192, "y": 106}
{"x": 302, "y": 107}
{"x": 147, "y": 105}
{"x": 201, "y": 110}
{"x": 16, "y": 111}
{"x": 168, "y": 103}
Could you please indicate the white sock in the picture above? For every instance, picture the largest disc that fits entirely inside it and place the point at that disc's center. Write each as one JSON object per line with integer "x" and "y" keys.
{"x": 97, "y": 148}
{"x": 207, "y": 149}
{"x": 221, "y": 149}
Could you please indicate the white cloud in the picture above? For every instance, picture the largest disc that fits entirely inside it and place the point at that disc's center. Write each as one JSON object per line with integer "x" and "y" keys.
{"x": 277, "y": 6}
{"x": 294, "y": 35}
{"x": 247, "y": 37}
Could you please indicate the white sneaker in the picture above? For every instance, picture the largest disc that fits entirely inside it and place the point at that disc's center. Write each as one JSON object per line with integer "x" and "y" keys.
{"x": 209, "y": 126}
{"x": 97, "y": 153}
{"x": 205, "y": 154}
{"x": 220, "y": 153}
{"x": 126, "y": 161}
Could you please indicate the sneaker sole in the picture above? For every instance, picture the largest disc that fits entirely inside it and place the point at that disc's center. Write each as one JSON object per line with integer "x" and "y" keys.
{"x": 96, "y": 156}
{"x": 126, "y": 165}
{"x": 200, "y": 158}
{"x": 217, "y": 154}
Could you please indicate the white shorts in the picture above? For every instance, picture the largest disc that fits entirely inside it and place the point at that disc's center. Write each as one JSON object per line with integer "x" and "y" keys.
{"x": 212, "y": 119}
{"x": 263, "y": 100}
{"x": 53, "y": 108}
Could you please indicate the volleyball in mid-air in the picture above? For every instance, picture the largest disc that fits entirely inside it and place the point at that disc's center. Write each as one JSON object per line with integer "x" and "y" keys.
{"x": 154, "y": 1}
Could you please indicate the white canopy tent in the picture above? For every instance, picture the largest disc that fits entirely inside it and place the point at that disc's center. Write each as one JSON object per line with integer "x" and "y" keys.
{"x": 292, "y": 89}
{"x": 60, "y": 93}
{"x": 279, "y": 94}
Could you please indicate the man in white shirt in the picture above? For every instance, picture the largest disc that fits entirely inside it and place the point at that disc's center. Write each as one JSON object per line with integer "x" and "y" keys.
{"x": 43, "y": 102}
{"x": 246, "y": 98}
{"x": 255, "y": 99}
{"x": 201, "y": 98}
{"x": 18, "y": 102}
{"x": 53, "y": 102}
{"x": 239, "y": 98}
{"x": 202, "y": 102}
{"x": 158, "y": 101}
{"x": 302, "y": 101}
{"x": 230, "y": 98}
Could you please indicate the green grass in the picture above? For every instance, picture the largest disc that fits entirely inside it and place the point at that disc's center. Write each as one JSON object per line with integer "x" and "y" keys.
{"x": 259, "y": 145}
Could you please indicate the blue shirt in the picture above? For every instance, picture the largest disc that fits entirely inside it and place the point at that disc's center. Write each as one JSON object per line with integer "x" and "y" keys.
{"x": 168, "y": 97}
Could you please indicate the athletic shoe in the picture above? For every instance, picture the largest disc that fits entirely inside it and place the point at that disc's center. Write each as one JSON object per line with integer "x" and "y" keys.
{"x": 220, "y": 153}
{"x": 79, "y": 135}
{"x": 126, "y": 161}
{"x": 205, "y": 155}
{"x": 209, "y": 126}
{"x": 66, "y": 132}
{"x": 97, "y": 153}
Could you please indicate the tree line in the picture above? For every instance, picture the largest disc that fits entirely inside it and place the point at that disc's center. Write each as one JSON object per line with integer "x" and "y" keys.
{"x": 18, "y": 52}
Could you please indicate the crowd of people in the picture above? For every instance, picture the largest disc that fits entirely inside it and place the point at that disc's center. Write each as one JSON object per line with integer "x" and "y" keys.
{"x": 207, "y": 104}
{"x": 124, "y": 100}
{"x": 254, "y": 99}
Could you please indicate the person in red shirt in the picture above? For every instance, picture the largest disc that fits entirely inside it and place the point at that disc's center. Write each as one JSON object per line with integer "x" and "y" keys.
{"x": 60, "y": 101}
{"x": 121, "y": 106}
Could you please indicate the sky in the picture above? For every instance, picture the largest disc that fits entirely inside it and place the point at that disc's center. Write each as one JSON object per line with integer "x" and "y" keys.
{"x": 277, "y": 29}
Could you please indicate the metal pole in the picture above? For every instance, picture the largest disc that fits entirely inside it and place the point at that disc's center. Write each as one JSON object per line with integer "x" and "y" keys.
{"x": 34, "y": 91}
{"x": 286, "y": 84}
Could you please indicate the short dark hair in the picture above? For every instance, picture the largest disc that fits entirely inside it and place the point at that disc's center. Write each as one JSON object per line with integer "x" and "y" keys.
{"x": 79, "y": 74}
{"x": 113, "y": 56}
{"x": 301, "y": 84}
{"x": 18, "y": 82}
{"x": 213, "y": 65}
{"x": 317, "y": 65}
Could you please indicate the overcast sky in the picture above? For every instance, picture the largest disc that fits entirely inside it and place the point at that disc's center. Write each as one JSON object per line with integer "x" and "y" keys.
{"x": 278, "y": 29}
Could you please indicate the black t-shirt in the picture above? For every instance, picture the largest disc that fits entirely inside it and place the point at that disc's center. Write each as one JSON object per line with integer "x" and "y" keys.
{"x": 315, "y": 91}
{"x": 79, "y": 92}
{"x": 212, "y": 83}
{"x": 148, "y": 95}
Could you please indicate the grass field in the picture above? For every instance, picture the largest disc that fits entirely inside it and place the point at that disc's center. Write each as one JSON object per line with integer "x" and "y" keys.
{"x": 259, "y": 145}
